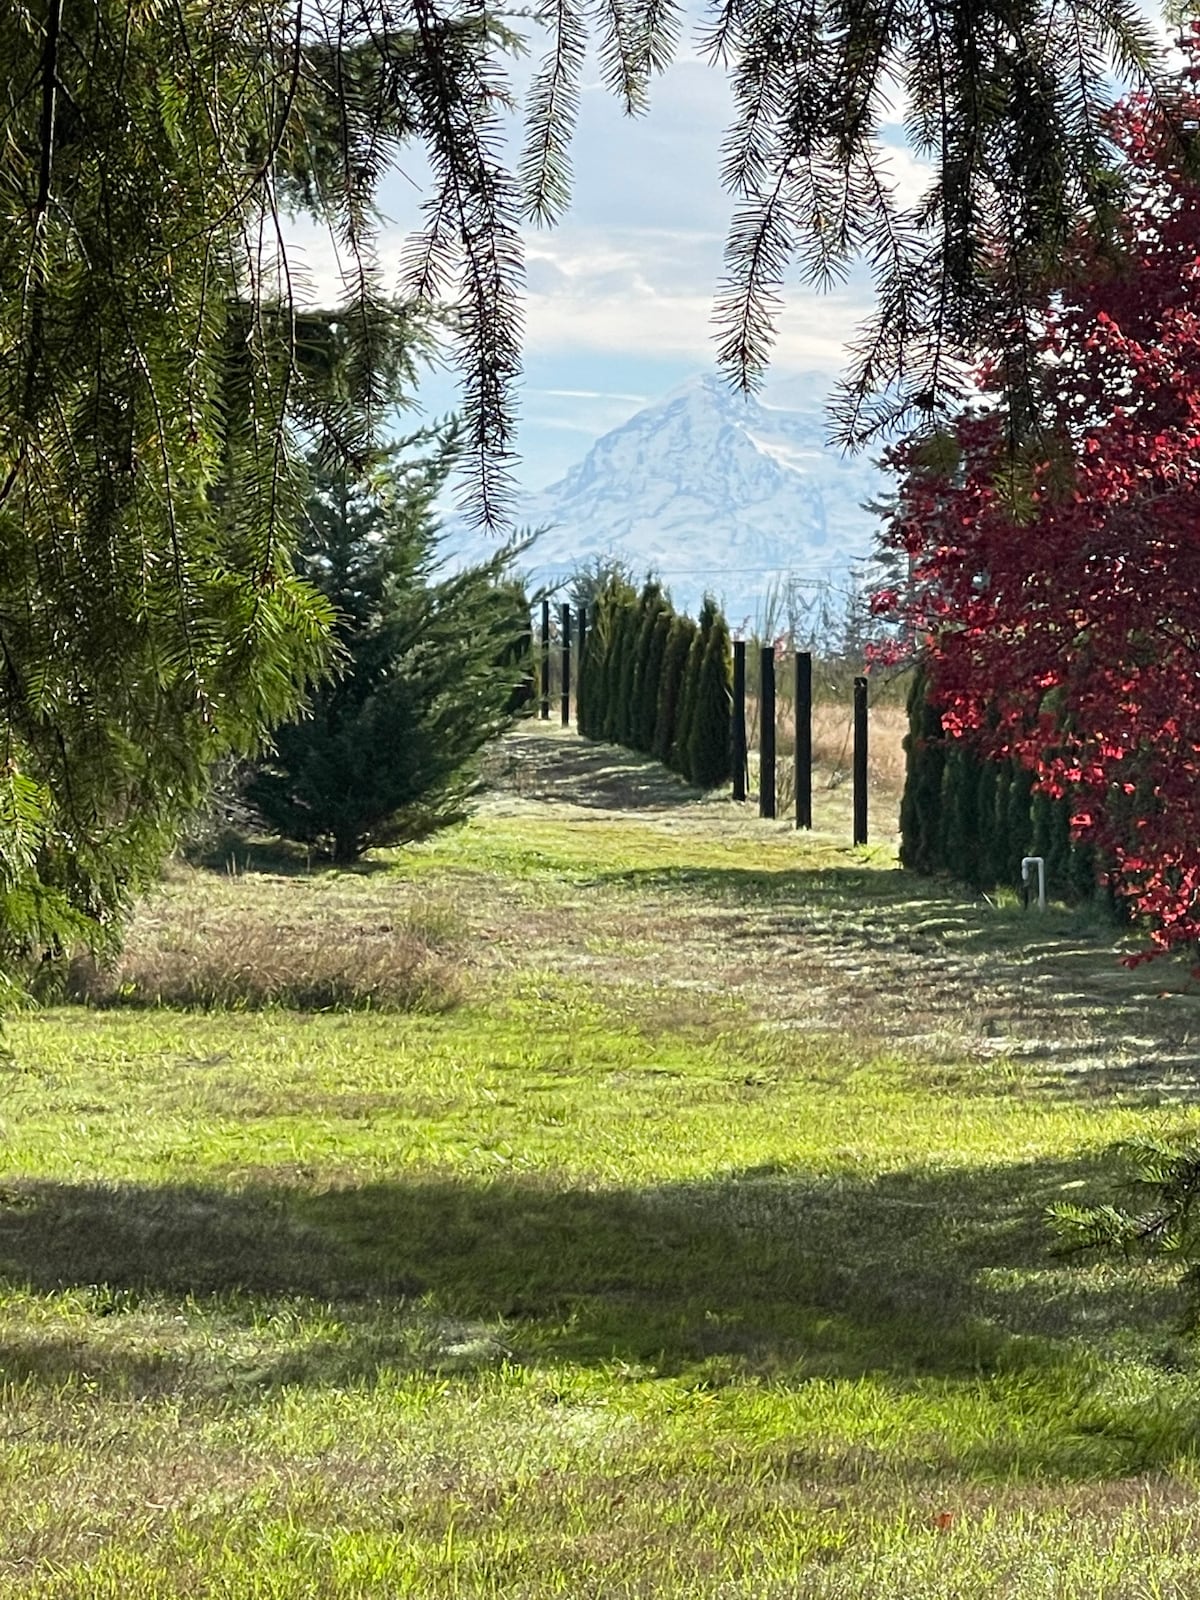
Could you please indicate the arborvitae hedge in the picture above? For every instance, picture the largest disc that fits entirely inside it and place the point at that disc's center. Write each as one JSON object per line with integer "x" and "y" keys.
{"x": 984, "y": 870}
{"x": 651, "y": 679}
{"x": 976, "y": 818}
{"x": 709, "y": 752}
{"x": 921, "y": 806}
{"x": 632, "y": 681}
{"x": 623, "y": 633}
{"x": 601, "y": 654}
{"x": 675, "y": 656}
{"x": 690, "y": 691}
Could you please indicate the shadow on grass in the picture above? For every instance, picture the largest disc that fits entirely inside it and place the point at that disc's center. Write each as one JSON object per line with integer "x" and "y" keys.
{"x": 774, "y": 1274}
{"x": 899, "y": 932}
{"x": 233, "y": 853}
{"x": 603, "y": 777}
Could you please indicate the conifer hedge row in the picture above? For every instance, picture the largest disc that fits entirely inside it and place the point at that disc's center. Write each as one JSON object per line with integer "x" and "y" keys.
{"x": 658, "y": 682}
{"x": 976, "y": 818}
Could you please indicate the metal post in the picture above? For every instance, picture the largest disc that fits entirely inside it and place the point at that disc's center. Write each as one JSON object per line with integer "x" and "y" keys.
{"x": 860, "y": 761}
{"x": 545, "y": 660}
{"x": 566, "y": 665}
{"x": 803, "y": 703}
{"x": 737, "y": 748}
{"x": 766, "y": 733}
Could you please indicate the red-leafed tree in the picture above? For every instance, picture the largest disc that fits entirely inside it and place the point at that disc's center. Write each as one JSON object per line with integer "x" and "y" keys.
{"x": 1060, "y": 596}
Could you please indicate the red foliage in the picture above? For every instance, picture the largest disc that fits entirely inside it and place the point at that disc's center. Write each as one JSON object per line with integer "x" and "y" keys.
{"x": 1063, "y": 615}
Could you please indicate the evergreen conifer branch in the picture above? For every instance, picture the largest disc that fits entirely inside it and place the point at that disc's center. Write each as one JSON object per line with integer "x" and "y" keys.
{"x": 551, "y": 111}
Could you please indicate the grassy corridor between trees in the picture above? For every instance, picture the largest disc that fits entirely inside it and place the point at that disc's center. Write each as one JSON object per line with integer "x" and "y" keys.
{"x": 683, "y": 1238}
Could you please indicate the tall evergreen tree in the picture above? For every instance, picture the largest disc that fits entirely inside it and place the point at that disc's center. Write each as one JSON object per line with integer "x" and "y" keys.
{"x": 631, "y": 637}
{"x": 624, "y": 624}
{"x": 641, "y": 686}
{"x": 604, "y": 645}
{"x": 983, "y": 875}
{"x": 960, "y": 819}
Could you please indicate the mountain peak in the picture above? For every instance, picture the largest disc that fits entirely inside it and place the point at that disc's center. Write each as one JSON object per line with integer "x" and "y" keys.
{"x": 715, "y": 491}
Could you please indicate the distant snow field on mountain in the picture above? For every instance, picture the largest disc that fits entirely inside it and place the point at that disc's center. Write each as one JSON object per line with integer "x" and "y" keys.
{"x": 713, "y": 493}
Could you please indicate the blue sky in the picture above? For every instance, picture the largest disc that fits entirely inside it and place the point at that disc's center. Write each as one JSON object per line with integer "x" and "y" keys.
{"x": 620, "y": 292}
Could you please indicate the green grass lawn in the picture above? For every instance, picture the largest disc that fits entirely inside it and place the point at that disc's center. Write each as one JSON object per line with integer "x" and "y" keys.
{"x": 683, "y": 1238}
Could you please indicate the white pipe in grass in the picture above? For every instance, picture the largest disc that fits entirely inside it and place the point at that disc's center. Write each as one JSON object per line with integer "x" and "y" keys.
{"x": 1040, "y": 863}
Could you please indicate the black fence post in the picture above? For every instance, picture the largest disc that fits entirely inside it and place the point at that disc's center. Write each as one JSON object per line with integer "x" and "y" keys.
{"x": 766, "y": 733}
{"x": 566, "y": 665}
{"x": 580, "y": 651}
{"x": 860, "y": 761}
{"x": 545, "y": 660}
{"x": 803, "y": 704}
{"x": 737, "y": 748}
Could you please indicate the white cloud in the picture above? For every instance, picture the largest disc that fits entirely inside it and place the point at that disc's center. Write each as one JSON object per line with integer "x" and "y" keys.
{"x": 648, "y": 323}
{"x": 910, "y": 175}
{"x": 560, "y": 425}
{"x": 593, "y": 394}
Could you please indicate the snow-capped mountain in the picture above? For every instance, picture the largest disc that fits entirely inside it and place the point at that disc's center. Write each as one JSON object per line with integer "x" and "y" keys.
{"x": 712, "y": 492}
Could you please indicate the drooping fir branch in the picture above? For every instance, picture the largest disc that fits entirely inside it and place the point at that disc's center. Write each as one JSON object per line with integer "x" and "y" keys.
{"x": 551, "y": 110}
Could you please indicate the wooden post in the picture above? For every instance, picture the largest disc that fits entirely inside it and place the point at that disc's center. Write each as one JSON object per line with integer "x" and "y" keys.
{"x": 766, "y": 733}
{"x": 860, "y": 761}
{"x": 737, "y": 745}
{"x": 545, "y": 660}
{"x": 803, "y": 703}
{"x": 566, "y": 665}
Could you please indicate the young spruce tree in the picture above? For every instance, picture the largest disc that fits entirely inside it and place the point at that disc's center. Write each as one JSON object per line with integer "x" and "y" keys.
{"x": 431, "y": 670}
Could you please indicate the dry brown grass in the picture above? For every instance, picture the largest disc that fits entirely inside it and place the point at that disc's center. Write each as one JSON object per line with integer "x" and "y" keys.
{"x": 833, "y": 747}
{"x": 236, "y": 944}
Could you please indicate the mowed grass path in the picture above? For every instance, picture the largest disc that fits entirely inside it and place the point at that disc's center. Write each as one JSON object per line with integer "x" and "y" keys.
{"x": 694, "y": 1250}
